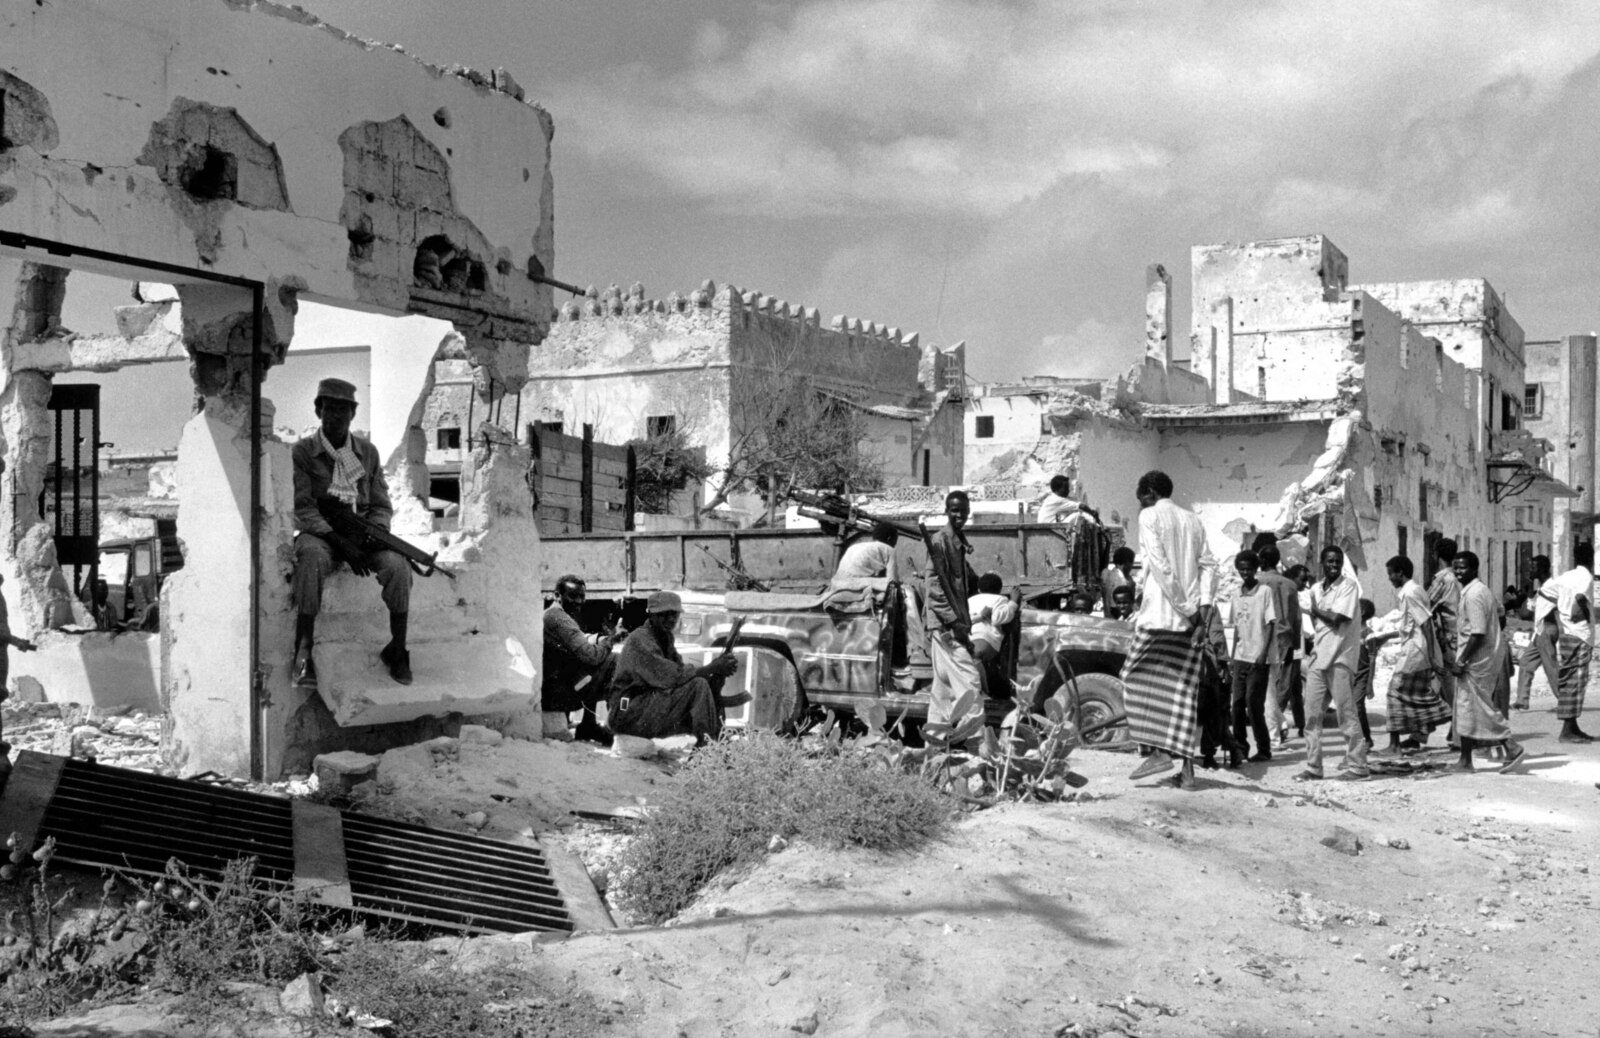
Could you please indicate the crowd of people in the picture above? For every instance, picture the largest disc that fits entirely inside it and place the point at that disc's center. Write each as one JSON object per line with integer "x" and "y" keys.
{"x": 1302, "y": 640}
{"x": 1205, "y": 676}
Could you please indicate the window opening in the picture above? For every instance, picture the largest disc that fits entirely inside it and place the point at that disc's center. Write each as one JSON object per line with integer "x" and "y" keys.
{"x": 660, "y": 425}
{"x": 448, "y": 439}
{"x": 1533, "y": 401}
{"x": 985, "y": 427}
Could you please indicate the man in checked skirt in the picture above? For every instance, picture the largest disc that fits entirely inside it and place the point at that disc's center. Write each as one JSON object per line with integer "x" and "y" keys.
{"x": 1161, "y": 677}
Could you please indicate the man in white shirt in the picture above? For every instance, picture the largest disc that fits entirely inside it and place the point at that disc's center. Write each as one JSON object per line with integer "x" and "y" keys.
{"x": 991, "y": 611}
{"x": 1161, "y": 676}
{"x": 1335, "y": 611}
{"x": 1056, "y": 505}
{"x": 1573, "y": 596}
{"x": 870, "y": 557}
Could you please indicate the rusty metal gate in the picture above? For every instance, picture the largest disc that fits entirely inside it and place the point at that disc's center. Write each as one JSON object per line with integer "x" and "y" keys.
{"x": 115, "y": 818}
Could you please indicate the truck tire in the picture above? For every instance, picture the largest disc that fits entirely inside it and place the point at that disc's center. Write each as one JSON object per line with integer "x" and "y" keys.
{"x": 1100, "y": 699}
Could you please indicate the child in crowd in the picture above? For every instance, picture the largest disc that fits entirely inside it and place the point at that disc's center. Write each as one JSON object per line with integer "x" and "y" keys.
{"x": 1255, "y": 614}
{"x": 991, "y": 611}
{"x": 1362, "y": 685}
{"x": 1121, "y": 605}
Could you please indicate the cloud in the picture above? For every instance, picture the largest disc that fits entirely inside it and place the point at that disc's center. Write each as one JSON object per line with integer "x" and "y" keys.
{"x": 978, "y": 107}
{"x": 1002, "y": 170}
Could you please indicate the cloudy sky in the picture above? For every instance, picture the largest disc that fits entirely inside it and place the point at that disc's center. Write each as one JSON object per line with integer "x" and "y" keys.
{"x": 1002, "y": 171}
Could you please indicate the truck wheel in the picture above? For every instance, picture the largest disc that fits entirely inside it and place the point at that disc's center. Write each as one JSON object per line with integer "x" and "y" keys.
{"x": 1099, "y": 700}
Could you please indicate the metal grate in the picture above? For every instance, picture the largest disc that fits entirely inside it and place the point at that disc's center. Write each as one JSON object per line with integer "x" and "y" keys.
{"x": 105, "y": 817}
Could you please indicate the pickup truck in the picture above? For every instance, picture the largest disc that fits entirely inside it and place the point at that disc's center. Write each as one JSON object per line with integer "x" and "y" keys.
{"x": 847, "y": 651}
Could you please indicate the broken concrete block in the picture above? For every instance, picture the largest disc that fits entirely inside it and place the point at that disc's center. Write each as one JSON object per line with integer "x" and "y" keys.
{"x": 444, "y": 745}
{"x": 480, "y": 735}
{"x": 556, "y": 726}
{"x": 404, "y": 766}
{"x": 476, "y": 820}
{"x": 303, "y": 996}
{"x": 341, "y": 772}
{"x": 1342, "y": 840}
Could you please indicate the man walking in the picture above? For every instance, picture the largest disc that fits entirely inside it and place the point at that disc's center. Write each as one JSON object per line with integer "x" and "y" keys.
{"x": 1335, "y": 612}
{"x": 1476, "y": 665}
{"x": 1573, "y": 594}
{"x": 1161, "y": 677}
{"x": 1413, "y": 707}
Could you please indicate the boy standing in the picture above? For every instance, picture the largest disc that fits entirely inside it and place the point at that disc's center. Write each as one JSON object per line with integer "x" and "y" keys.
{"x": 1255, "y": 623}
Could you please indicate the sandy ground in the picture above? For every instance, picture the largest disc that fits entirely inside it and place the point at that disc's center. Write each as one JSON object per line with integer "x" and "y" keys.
{"x": 1138, "y": 909}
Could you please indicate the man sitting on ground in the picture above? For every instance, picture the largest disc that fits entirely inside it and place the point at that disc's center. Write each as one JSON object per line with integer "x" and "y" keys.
{"x": 577, "y": 666}
{"x": 655, "y": 694}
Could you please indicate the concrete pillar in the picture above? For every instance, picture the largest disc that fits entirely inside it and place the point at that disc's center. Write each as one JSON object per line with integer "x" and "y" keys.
{"x": 1222, "y": 350}
{"x": 1157, "y": 315}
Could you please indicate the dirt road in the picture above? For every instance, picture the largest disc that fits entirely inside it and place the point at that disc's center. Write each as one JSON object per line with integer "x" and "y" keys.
{"x": 1151, "y": 911}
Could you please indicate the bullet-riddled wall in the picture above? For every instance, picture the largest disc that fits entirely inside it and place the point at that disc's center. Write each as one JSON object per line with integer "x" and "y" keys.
{"x": 252, "y": 141}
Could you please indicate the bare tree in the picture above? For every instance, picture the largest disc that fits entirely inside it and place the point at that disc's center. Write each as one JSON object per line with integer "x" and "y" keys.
{"x": 785, "y": 433}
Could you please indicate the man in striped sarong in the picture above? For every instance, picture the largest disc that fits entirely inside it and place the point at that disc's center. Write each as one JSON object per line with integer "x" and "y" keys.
{"x": 1413, "y": 707}
{"x": 1573, "y": 595}
{"x": 1161, "y": 677}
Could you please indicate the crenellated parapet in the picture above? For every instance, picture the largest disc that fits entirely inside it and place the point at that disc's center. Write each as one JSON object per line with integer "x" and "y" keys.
{"x": 616, "y": 301}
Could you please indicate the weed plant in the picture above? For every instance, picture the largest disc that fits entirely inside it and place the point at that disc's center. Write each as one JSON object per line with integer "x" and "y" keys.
{"x": 424, "y": 997}
{"x": 737, "y": 794}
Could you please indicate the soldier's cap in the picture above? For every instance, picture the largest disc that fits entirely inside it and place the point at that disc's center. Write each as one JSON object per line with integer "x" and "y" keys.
{"x": 335, "y": 389}
{"x": 663, "y": 602}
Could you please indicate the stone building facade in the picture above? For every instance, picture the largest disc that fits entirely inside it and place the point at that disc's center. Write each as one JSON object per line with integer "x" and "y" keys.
{"x": 703, "y": 363}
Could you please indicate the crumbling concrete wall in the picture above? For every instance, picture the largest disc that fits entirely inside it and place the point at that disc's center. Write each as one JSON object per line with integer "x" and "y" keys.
{"x": 1280, "y": 299}
{"x": 251, "y": 140}
{"x": 1237, "y": 474}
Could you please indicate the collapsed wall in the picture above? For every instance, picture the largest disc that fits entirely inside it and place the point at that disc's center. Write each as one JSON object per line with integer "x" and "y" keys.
{"x": 249, "y": 141}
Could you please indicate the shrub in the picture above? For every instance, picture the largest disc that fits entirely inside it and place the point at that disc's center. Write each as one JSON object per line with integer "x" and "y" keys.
{"x": 736, "y": 795}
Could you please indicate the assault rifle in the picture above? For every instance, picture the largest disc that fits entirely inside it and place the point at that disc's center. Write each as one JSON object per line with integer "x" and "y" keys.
{"x": 369, "y": 536}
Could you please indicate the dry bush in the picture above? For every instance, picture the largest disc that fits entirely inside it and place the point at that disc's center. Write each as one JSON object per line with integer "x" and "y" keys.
{"x": 737, "y": 794}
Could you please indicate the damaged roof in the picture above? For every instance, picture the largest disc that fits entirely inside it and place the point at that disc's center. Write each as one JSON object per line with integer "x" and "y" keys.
{"x": 1251, "y": 411}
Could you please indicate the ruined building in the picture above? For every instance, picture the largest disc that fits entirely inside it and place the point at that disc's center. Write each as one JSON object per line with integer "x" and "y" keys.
{"x": 1375, "y": 417}
{"x": 250, "y": 156}
{"x": 1558, "y": 405}
{"x": 712, "y": 362}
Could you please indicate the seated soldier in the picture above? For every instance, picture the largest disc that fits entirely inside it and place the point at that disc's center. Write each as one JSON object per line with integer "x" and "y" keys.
{"x": 870, "y": 557}
{"x": 577, "y": 666}
{"x": 655, "y": 694}
{"x": 335, "y": 468}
